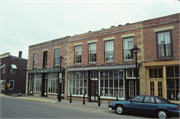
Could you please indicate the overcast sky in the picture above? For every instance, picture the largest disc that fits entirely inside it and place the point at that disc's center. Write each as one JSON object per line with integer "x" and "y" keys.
{"x": 29, "y": 22}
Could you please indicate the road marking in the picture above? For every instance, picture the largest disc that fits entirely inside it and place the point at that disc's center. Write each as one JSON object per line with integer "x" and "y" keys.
{"x": 36, "y": 99}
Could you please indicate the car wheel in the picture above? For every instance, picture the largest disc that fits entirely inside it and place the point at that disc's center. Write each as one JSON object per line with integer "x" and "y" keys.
{"x": 162, "y": 114}
{"x": 119, "y": 109}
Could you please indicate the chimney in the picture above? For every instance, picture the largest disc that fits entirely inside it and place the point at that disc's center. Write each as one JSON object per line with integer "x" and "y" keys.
{"x": 20, "y": 54}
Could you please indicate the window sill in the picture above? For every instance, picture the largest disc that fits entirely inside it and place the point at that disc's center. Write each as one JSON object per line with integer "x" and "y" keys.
{"x": 129, "y": 61}
{"x": 108, "y": 62}
{"x": 165, "y": 59}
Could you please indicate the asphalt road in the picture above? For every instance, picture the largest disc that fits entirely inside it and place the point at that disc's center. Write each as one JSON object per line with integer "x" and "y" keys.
{"x": 12, "y": 107}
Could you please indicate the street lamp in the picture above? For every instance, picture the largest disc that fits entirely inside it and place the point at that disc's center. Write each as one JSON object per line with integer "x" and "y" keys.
{"x": 59, "y": 80}
{"x": 135, "y": 49}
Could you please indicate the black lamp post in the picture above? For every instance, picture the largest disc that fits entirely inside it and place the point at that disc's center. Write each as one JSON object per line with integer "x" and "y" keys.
{"x": 135, "y": 49}
{"x": 59, "y": 80}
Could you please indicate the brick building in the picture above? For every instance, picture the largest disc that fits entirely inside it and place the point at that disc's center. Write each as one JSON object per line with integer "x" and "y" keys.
{"x": 102, "y": 62}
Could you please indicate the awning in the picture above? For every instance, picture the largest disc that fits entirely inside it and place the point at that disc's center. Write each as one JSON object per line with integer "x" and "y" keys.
{"x": 1, "y": 81}
{"x": 43, "y": 71}
{"x": 13, "y": 66}
{"x": 103, "y": 68}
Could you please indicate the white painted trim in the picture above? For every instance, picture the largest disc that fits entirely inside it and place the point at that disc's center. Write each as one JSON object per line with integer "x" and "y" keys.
{"x": 128, "y": 35}
{"x": 109, "y": 38}
{"x": 163, "y": 28}
{"x": 45, "y": 50}
{"x": 57, "y": 47}
{"x": 80, "y": 43}
{"x": 92, "y": 41}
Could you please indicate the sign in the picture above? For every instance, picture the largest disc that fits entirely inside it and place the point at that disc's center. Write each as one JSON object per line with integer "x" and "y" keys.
{"x": 8, "y": 85}
{"x": 60, "y": 75}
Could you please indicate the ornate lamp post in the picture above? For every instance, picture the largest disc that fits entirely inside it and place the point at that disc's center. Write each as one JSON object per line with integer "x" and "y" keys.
{"x": 135, "y": 49}
{"x": 59, "y": 80}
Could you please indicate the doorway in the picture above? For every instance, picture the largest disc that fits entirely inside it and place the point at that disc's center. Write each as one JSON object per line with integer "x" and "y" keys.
{"x": 94, "y": 90}
{"x": 31, "y": 84}
{"x": 44, "y": 85}
{"x": 132, "y": 88}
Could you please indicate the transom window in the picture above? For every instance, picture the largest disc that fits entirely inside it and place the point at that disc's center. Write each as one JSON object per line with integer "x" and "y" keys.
{"x": 127, "y": 47}
{"x": 35, "y": 60}
{"x": 77, "y": 54}
{"x": 164, "y": 44}
{"x": 92, "y": 52}
{"x": 155, "y": 73}
{"x": 109, "y": 51}
{"x": 131, "y": 73}
{"x": 56, "y": 56}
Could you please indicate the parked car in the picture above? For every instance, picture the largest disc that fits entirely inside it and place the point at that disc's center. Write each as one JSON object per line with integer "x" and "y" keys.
{"x": 146, "y": 104}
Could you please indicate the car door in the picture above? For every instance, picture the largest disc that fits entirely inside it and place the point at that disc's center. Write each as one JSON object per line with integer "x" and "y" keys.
{"x": 149, "y": 106}
{"x": 135, "y": 104}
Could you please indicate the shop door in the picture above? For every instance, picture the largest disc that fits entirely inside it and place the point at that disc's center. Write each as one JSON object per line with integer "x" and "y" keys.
{"x": 31, "y": 84}
{"x": 94, "y": 90}
{"x": 156, "y": 88}
{"x": 44, "y": 85}
{"x": 132, "y": 88}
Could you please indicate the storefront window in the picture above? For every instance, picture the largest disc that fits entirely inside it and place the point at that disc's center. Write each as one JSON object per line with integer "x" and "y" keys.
{"x": 111, "y": 83}
{"x": 37, "y": 83}
{"x": 155, "y": 73}
{"x": 77, "y": 83}
{"x": 52, "y": 82}
{"x": 172, "y": 80}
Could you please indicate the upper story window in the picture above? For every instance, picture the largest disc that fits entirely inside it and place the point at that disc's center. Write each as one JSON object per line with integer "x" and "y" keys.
{"x": 109, "y": 51}
{"x": 164, "y": 44}
{"x": 13, "y": 68}
{"x": 127, "y": 46}
{"x": 45, "y": 59}
{"x": 77, "y": 54}
{"x": 3, "y": 68}
{"x": 35, "y": 60}
{"x": 56, "y": 56}
{"x": 92, "y": 52}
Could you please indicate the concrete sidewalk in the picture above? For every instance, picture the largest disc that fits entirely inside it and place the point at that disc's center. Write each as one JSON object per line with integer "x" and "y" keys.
{"x": 78, "y": 103}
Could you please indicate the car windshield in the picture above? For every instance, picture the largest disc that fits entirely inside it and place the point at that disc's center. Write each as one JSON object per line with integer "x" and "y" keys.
{"x": 166, "y": 101}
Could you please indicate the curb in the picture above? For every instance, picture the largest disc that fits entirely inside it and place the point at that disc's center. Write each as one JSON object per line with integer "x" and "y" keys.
{"x": 36, "y": 99}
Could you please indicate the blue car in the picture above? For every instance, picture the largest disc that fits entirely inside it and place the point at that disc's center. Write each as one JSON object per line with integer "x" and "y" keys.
{"x": 148, "y": 105}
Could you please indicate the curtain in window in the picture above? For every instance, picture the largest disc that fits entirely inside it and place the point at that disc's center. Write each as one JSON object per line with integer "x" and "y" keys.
{"x": 56, "y": 56}
{"x": 77, "y": 54}
{"x": 109, "y": 50}
{"x": 92, "y": 52}
{"x": 164, "y": 44}
{"x": 128, "y": 45}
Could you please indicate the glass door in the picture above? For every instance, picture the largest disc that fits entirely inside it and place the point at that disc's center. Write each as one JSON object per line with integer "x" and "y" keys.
{"x": 31, "y": 84}
{"x": 94, "y": 90}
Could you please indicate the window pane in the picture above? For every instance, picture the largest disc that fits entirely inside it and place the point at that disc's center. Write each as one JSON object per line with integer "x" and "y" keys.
{"x": 171, "y": 94}
{"x": 115, "y": 83}
{"x": 150, "y": 73}
{"x": 120, "y": 83}
{"x": 127, "y": 46}
{"x": 170, "y": 83}
{"x": 110, "y": 73}
{"x": 155, "y": 73}
{"x": 115, "y": 73}
{"x": 111, "y": 83}
{"x": 129, "y": 72}
{"x": 169, "y": 71}
{"x": 106, "y": 83}
{"x": 176, "y": 71}
{"x": 160, "y": 73}
{"x": 109, "y": 51}
{"x": 120, "y": 73}
{"x": 106, "y": 73}
{"x": 149, "y": 99}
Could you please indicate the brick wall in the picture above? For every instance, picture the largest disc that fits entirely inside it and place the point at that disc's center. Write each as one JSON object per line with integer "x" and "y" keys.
{"x": 150, "y": 42}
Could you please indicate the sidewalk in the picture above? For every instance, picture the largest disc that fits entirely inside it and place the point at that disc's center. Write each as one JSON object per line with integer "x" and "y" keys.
{"x": 63, "y": 101}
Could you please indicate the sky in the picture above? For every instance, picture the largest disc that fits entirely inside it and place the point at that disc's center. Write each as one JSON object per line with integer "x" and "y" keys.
{"x": 28, "y": 22}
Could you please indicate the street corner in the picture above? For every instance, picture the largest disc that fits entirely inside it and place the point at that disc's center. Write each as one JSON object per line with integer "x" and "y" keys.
{"x": 36, "y": 99}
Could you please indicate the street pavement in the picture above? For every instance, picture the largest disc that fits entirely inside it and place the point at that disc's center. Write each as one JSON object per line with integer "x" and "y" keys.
{"x": 42, "y": 107}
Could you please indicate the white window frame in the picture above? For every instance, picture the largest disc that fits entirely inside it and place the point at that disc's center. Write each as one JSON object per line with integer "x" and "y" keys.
{"x": 105, "y": 50}
{"x": 37, "y": 83}
{"x": 74, "y": 79}
{"x": 129, "y": 38}
{"x": 114, "y": 88}
{"x": 56, "y": 56}
{"x": 78, "y": 51}
{"x": 89, "y": 53}
{"x": 52, "y": 77}
{"x": 35, "y": 60}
